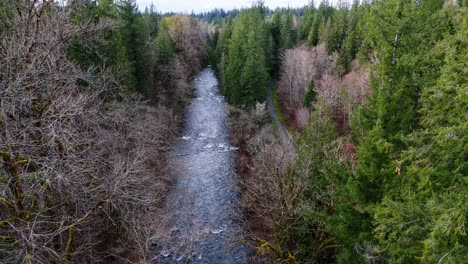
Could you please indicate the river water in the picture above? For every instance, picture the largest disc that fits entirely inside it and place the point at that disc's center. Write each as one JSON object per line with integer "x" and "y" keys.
{"x": 201, "y": 208}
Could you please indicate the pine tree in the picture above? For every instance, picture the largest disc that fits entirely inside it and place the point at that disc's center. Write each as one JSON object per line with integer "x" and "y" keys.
{"x": 327, "y": 31}
{"x": 320, "y": 166}
{"x": 5, "y": 13}
{"x": 392, "y": 112}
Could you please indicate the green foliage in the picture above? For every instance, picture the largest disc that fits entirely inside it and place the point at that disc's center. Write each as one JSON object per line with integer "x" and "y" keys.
{"x": 392, "y": 111}
{"x": 165, "y": 49}
{"x": 287, "y": 31}
{"x": 275, "y": 29}
{"x": 307, "y": 21}
{"x": 321, "y": 166}
{"x": 135, "y": 31}
{"x": 245, "y": 72}
{"x": 311, "y": 94}
{"x": 436, "y": 179}
{"x": 402, "y": 198}
{"x": 352, "y": 39}
{"x": 313, "y": 38}
{"x": 126, "y": 46}
{"x": 348, "y": 228}
{"x": 410, "y": 157}
{"x": 317, "y": 153}
{"x": 5, "y": 14}
{"x": 137, "y": 45}
{"x": 337, "y": 30}
{"x": 326, "y": 30}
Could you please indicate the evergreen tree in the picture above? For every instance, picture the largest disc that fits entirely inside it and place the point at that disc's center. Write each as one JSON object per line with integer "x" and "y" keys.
{"x": 320, "y": 167}
{"x": 165, "y": 49}
{"x": 127, "y": 11}
{"x": 276, "y": 40}
{"x": 222, "y": 51}
{"x": 395, "y": 29}
{"x": 392, "y": 112}
{"x": 307, "y": 21}
{"x": 5, "y": 13}
{"x": 426, "y": 222}
{"x": 113, "y": 53}
{"x": 351, "y": 44}
{"x": 327, "y": 31}
{"x": 287, "y": 31}
{"x": 246, "y": 73}
{"x": 311, "y": 94}
{"x": 313, "y": 38}
{"x": 337, "y": 33}
{"x": 254, "y": 76}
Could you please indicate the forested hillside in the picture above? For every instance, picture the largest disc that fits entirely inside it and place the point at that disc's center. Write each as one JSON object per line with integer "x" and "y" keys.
{"x": 91, "y": 96}
{"x": 376, "y": 96}
{"x": 350, "y": 118}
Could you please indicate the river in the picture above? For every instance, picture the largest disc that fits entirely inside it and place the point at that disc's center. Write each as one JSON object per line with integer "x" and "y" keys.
{"x": 201, "y": 207}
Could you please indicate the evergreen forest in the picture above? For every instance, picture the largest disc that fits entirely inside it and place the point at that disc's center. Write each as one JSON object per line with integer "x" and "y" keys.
{"x": 350, "y": 119}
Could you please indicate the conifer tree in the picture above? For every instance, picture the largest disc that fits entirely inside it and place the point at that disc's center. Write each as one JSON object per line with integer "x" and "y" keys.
{"x": 311, "y": 94}
{"x": 392, "y": 112}
{"x": 246, "y": 72}
{"x": 337, "y": 33}
{"x": 313, "y": 38}
{"x": 429, "y": 215}
{"x": 392, "y": 115}
{"x": 276, "y": 39}
{"x": 287, "y": 31}
{"x": 165, "y": 49}
{"x": 307, "y": 21}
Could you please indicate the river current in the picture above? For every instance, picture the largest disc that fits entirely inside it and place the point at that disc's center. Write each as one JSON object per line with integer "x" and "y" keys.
{"x": 201, "y": 207}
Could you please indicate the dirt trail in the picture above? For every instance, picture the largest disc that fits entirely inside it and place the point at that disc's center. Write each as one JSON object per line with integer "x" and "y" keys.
{"x": 283, "y": 131}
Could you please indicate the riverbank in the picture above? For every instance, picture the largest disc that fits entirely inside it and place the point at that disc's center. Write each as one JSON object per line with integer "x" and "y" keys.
{"x": 267, "y": 191}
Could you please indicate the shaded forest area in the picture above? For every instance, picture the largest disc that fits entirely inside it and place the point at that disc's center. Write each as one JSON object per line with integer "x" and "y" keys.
{"x": 375, "y": 94}
{"x": 91, "y": 97}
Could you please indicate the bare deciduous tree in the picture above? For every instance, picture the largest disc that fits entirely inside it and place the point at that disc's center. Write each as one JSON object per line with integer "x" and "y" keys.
{"x": 297, "y": 69}
{"x": 270, "y": 192}
{"x": 342, "y": 96}
{"x": 80, "y": 158}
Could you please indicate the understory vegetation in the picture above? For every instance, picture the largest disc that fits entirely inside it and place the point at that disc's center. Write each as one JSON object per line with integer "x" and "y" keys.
{"x": 376, "y": 94}
{"x": 91, "y": 95}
